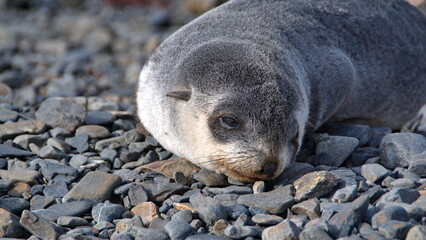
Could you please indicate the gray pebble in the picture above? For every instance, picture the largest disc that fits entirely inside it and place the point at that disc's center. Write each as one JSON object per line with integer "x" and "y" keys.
{"x": 346, "y": 190}
{"x": 399, "y": 195}
{"x": 338, "y": 147}
{"x": 234, "y": 211}
{"x": 26, "y": 139}
{"x": 51, "y": 153}
{"x": 266, "y": 219}
{"x": 60, "y": 133}
{"x": 275, "y": 202}
{"x": 314, "y": 185}
{"x": 360, "y": 132}
{"x": 137, "y": 194}
{"x": 68, "y": 221}
{"x": 40, "y": 227}
{"x": 152, "y": 156}
{"x": 416, "y": 232}
{"x": 397, "y": 149}
{"x": 227, "y": 199}
{"x": 210, "y": 178}
{"x": 59, "y": 144}
{"x": 7, "y": 151}
{"x": 395, "y": 229}
{"x": 203, "y": 237}
{"x": 77, "y": 208}
{"x": 94, "y": 131}
{"x": 403, "y": 183}
{"x": 80, "y": 142}
{"x": 418, "y": 164}
{"x": 387, "y": 214}
{"x": 7, "y": 115}
{"x": 178, "y": 229}
{"x": 61, "y": 112}
{"x": 133, "y": 136}
{"x": 374, "y": 172}
{"x": 310, "y": 208}
{"x": 51, "y": 170}
{"x": 138, "y": 147}
{"x": 57, "y": 189}
{"x": 106, "y": 212}
{"x": 314, "y": 233}
{"x": 78, "y": 160}
{"x": 229, "y": 190}
{"x": 183, "y": 215}
{"x": 209, "y": 209}
{"x": 99, "y": 118}
{"x": 237, "y": 232}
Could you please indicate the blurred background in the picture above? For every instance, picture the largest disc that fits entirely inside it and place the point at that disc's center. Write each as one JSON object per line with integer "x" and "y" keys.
{"x": 83, "y": 48}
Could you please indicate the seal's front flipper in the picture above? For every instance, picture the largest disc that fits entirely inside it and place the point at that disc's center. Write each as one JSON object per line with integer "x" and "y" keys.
{"x": 181, "y": 95}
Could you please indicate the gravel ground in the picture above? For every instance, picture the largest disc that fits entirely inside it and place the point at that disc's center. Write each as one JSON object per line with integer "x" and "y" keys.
{"x": 74, "y": 166}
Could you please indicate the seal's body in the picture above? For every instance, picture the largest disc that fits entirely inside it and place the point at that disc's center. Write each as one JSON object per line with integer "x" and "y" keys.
{"x": 235, "y": 90}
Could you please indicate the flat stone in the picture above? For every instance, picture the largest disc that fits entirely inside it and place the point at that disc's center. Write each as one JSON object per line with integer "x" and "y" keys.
{"x": 60, "y": 133}
{"x": 237, "y": 232}
{"x": 99, "y": 118}
{"x": 314, "y": 185}
{"x": 78, "y": 160}
{"x": 209, "y": 209}
{"x": 7, "y": 115}
{"x": 310, "y": 208}
{"x": 229, "y": 190}
{"x": 420, "y": 202}
{"x": 367, "y": 232}
{"x": 388, "y": 214}
{"x": 51, "y": 153}
{"x": 178, "y": 229}
{"x": 266, "y": 219}
{"x": 9, "y": 225}
{"x": 285, "y": 230}
{"x": 94, "y": 186}
{"x": 40, "y": 227}
{"x": 11, "y": 130}
{"x": 145, "y": 233}
{"x": 119, "y": 141}
{"x": 338, "y": 147}
{"x": 40, "y": 202}
{"x": 374, "y": 172}
{"x": 61, "y": 112}
{"x": 276, "y": 201}
{"x": 235, "y": 211}
{"x": 416, "y": 232}
{"x": 418, "y": 164}
{"x": 68, "y": 221}
{"x": 397, "y": 149}
{"x": 403, "y": 183}
{"x": 146, "y": 211}
{"x": 137, "y": 194}
{"x": 414, "y": 212}
{"x": 345, "y": 220}
{"x": 7, "y": 151}
{"x": 14, "y": 205}
{"x": 27, "y": 176}
{"x": 52, "y": 213}
{"x": 227, "y": 199}
{"x": 395, "y": 229}
{"x": 108, "y": 154}
{"x": 107, "y": 212}
{"x": 203, "y": 237}
{"x": 133, "y": 136}
{"x": 94, "y": 131}
{"x": 5, "y": 185}
{"x": 295, "y": 171}
{"x": 210, "y": 178}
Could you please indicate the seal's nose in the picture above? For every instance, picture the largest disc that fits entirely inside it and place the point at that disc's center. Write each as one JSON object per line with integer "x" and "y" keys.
{"x": 269, "y": 168}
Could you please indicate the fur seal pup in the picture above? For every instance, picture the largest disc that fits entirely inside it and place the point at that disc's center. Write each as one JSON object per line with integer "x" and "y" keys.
{"x": 235, "y": 90}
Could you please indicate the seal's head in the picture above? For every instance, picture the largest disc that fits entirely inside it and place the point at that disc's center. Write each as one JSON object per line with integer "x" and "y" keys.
{"x": 233, "y": 110}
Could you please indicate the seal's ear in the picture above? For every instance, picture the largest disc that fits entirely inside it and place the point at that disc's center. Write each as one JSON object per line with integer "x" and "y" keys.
{"x": 181, "y": 95}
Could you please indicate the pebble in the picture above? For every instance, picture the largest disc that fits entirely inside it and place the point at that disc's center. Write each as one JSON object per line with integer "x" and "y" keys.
{"x": 7, "y": 115}
{"x": 387, "y": 214}
{"x": 59, "y": 144}
{"x": 374, "y": 172}
{"x": 237, "y": 232}
{"x": 94, "y": 131}
{"x": 275, "y": 202}
{"x": 284, "y": 230}
{"x": 360, "y": 132}
{"x": 27, "y": 176}
{"x": 418, "y": 164}
{"x": 40, "y": 227}
{"x": 94, "y": 186}
{"x": 311, "y": 233}
{"x": 7, "y": 151}
{"x": 178, "y": 229}
{"x": 338, "y": 147}
{"x": 26, "y": 139}
{"x": 57, "y": 189}
{"x": 77, "y": 160}
{"x": 314, "y": 185}
{"x": 397, "y": 149}
{"x": 69, "y": 221}
{"x": 266, "y": 219}
{"x": 80, "y": 142}
{"x": 61, "y": 112}
{"x": 210, "y": 178}
{"x": 146, "y": 211}
{"x": 346, "y": 219}
{"x": 163, "y": 190}
{"x": 11, "y": 130}
{"x": 310, "y": 208}
{"x": 51, "y": 153}
{"x": 395, "y": 229}
{"x": 229, "y": 190}
{"x": 209, "y": 209}
{"x": 119, "y": 141}
{"x": 106, "y": 212}
{"x": 416, "y": 232}
{"x": 99, "y": 118}
{"x": 10, "y": 226}
{"x": 184, "y": 215}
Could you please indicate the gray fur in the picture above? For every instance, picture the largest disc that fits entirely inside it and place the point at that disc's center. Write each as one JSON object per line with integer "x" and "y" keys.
{"x": 344, "y": 60}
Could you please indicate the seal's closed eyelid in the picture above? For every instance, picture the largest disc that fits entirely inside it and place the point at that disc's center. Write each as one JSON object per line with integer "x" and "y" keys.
{"x": 181, "y": 95}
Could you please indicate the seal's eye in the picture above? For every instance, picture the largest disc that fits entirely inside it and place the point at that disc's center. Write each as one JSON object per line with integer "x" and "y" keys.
{"x": 229, "y": 122}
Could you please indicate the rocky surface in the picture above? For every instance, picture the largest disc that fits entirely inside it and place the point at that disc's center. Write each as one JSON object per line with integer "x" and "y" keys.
{"x": 74, "y": 166}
